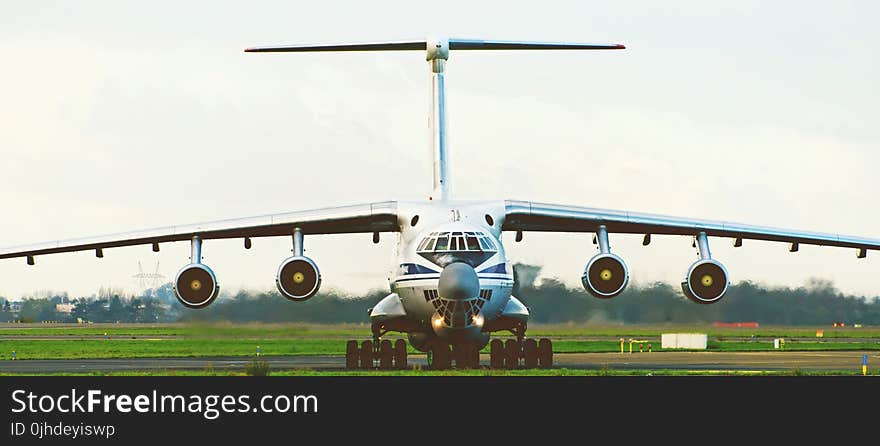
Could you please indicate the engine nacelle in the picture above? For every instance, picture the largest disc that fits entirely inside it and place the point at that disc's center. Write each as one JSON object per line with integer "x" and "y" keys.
{"x": 706, "y": 281}
{"x": 605, "y": 276}
{"x": 298, "y": 278}
{"x": 196, "y": 286}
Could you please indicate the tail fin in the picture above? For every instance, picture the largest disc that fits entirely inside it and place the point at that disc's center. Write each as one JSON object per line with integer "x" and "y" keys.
{"x": 437, "y": 51}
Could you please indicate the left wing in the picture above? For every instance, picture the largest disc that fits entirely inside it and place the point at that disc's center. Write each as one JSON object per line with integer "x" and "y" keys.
{"x": 371, "y": 217}
{"x": 531, "y": 216}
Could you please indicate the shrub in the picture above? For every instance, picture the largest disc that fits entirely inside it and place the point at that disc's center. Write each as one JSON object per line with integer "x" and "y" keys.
{"x": 257, "y": 368}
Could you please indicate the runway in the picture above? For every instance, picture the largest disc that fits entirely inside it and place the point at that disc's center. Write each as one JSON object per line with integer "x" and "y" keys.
{"x": 698, "y": 361}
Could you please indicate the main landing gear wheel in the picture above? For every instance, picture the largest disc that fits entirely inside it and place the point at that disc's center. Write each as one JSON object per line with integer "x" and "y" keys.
{"x": 511, "y": 354}
{"x": 385, "y": 355}
{"x": 352, "y": 353}
{"x": 366, "y": 356}
{"x": 545, "y": 353}
{"x": 530, "y": 353}
{"x": 496, "y": 354}
{"x": 474, "y": 357}
{"x": 459, "y": 353}
{"x": 400, "y": 354}
{"x": 441, "y": 357}
{"x": 467, "y": 356}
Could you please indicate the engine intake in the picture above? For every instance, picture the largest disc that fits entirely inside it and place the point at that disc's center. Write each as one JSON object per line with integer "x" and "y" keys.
{"x": 196, "y": 286}
{"x": 706, "y": 281}
{"x": 298, "y": 278}
{"x": 605, "y": 276}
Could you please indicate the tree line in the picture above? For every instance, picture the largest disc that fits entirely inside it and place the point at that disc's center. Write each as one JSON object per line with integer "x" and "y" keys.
{"x": 549, "y": 300}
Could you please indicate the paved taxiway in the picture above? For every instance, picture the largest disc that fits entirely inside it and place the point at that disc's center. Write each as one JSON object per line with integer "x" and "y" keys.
{"x": 705, "y": 361}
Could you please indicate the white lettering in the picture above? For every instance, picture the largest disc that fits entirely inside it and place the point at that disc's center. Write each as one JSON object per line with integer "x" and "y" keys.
{"x": 142, "y": 403}
{"x": 15, "y": 399}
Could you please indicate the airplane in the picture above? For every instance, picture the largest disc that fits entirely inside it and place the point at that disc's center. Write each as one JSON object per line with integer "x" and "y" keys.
{"x": 452, "y": 280}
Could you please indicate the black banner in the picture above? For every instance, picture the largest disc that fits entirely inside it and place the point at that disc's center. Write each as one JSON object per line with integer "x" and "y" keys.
{"x": 44, "y": 410}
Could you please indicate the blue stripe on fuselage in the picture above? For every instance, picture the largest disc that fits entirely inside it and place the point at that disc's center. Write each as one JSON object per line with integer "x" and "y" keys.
{"x": 481, "y": 276}
{"x": 415, "y": 268}
{"x": 500, "y": 268}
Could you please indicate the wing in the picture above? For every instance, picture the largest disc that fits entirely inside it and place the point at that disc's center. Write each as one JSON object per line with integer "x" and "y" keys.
{"x": 372, "y": 217}
{"x": 530, "y": 216}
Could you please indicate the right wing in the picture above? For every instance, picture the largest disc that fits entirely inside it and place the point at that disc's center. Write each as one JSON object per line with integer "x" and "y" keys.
{"x": 532, "y": 216}
{"x": 372, "y": 217}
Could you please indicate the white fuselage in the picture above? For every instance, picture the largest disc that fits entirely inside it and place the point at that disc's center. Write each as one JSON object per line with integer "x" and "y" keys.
{"x": 416, "y": 274}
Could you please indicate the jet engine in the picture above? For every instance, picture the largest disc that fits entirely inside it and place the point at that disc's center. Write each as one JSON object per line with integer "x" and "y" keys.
{"x": 298, "y": 278}
{"x": 706, "y": 281}
{"x": 605, "y": 276}
{"x": 196, "y": 286}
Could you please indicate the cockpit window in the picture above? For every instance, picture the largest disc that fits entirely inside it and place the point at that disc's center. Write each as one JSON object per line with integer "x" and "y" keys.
{"x": 456, "y": 241}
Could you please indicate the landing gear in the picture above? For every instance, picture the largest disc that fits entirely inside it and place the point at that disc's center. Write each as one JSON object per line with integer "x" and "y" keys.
{"x": 352, "y": 353}
{"x": 385, "y": 355}
{"x": 474, "y": 361}
{"x": 460, "y": 353}
{"x": 530, "y": 353}
{"x": 399, "y": 354}
{"x": 467, "y": 356}
{"x": 511, "y": 354}
{"x": 533, "y": 353}
{"x": 439, "y": 357}
{"x": 366, "y": 355}
{"x": 545, "y": 353}
{"x": 496, "y": 354}
{"x": 389, "y": 355}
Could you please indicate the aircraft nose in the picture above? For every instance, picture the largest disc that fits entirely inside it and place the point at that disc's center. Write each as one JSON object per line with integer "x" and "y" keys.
{"x": 458, "y": 281}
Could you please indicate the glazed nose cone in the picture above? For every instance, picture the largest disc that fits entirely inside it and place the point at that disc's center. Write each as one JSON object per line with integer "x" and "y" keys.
{"x": 458, "y": 281}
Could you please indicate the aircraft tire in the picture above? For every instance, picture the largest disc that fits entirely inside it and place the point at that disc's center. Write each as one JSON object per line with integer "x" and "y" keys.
{"x": 473, "y": 356}
{"x": 442, "y": 357}
{"x": 351, "y": 355}
{"x": 545, "y": 353}
{"x": 511, "y": 354}
{"x": 496, "y": 354}
{"x": 458, "y": 355}
{"x": 400, "y": 354}
{"x": 367, "y": 355}
{"x": 530, "y": 353}
{"x": 385, "y": 355}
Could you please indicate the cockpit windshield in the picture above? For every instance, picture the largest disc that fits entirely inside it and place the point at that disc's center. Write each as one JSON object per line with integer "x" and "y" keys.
{"x": 456, "y": 241}
{"x": 443, "y": 248}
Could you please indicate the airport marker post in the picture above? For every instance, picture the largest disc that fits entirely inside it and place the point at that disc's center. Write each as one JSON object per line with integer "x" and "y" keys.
{"x": 864, "y": 365}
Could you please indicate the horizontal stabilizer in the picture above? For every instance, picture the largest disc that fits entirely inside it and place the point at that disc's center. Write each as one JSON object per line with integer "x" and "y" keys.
{"x": 465, "y": 44}
{"x": 454, "y": 44}
{"x": 374, "y": 46}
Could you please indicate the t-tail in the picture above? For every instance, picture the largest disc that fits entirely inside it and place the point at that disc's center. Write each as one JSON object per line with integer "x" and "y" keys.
{"x": 437, "y": 53}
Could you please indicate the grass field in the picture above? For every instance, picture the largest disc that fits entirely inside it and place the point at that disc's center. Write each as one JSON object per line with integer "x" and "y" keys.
{"x": 254, "y": 330}
{"x": 41, "y": 341}
{"x": 482, "y": 372}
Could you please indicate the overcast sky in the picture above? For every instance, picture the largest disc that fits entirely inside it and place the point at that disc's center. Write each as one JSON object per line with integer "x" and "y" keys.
{"x": 117, "y": 116}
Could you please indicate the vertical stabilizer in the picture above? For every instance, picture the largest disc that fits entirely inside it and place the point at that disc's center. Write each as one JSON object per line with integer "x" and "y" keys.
{"x": 437, "y": 53}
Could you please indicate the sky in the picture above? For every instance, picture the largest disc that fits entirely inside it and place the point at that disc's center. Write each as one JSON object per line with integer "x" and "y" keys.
{"x": 117, "y": 116}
